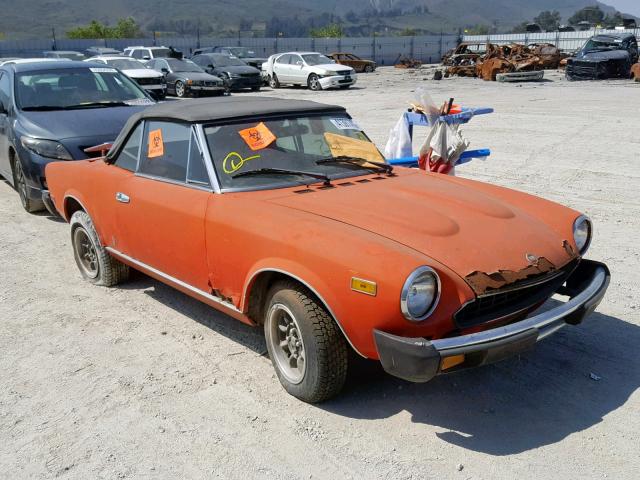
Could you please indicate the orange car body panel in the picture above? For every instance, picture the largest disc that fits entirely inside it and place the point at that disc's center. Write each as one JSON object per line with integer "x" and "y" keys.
{"x": 378, "y": 230}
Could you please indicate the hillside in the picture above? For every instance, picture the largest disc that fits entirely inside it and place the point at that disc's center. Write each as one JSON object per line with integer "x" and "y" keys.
{"x": 35, "y": 18}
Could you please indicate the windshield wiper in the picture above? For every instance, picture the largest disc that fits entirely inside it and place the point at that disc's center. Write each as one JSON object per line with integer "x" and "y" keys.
{"x": 357, "y": 161}
{"x": 97, "y": 104}
{"x": 282, "y": 171}
{"x": 42, "y": 108}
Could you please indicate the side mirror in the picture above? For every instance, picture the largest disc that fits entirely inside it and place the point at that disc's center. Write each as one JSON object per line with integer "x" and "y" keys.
{"x": 299, "y": 63}
{"x": 164, "y": 70}
{"x": 146, "y": 57}
{"x": 210, "y": 66}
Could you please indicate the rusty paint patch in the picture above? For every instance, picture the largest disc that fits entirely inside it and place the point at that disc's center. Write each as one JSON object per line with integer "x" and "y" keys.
{"x": 569, "y": 249}
{"x": 482, "y": 282}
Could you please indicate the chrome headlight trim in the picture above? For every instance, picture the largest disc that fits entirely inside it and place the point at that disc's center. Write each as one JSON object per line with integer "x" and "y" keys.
{"x": 405, "y": 293}
{"x": 577, "y": 222}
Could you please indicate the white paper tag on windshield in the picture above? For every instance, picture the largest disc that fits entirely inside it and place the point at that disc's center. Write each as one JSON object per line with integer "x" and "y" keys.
{"x": 139, "y": 101}
{"x": 102, "y": 70}
{"x": 345, "y": 124}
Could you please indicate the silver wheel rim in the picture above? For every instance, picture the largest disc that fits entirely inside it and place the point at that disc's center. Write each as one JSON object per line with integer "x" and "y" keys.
{"x": 85, "y": 253}
{"x": 21, "y": 184}
{"x": 273, "y": 83}
{"x": 286, "y": 343}
{"x": 179, "y": 89}
{"x": 314, "y": 82}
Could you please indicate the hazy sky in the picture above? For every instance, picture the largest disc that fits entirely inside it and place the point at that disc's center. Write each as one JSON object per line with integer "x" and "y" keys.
{"x": 625, "y": 6}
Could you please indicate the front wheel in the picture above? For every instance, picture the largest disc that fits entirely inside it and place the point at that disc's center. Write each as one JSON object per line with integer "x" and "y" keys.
{"x": 181, "y": 90}
{"x": 20, "y": 183}
{"x": 94, "y": 262}
{"x": 314, "y": 82}
{"x": 307, "y": 349}
{"x": 255, "y": 89}
{"x": 273, "y": 81}
{"x": 368, "y": 68}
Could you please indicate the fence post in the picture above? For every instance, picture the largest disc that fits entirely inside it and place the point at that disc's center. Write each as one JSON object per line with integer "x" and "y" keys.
{"x": 339, "y": 44}
{"x": 441, "y": 54}
{"x": 373, "y": 47}
{"x": 411, "y": 52}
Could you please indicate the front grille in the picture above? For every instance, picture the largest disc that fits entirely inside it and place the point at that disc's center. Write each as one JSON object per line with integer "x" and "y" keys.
{"x": 344, "y": 72}
{"x": 249, "y": 75}
{"x": 149, "y": 81}
{"x": 210, "y": 83}
{"x": 513, "y": 298}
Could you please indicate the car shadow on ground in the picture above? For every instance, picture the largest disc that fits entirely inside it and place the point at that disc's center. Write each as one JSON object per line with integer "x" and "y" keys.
{"x": 516, "y": 405}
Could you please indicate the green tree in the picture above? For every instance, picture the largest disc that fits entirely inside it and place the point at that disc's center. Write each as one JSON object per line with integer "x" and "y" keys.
{"x": 125, "y": 28}
{"x": 332, "y": 30}
{"x": 592, "y": 15}
{"x": 548, "y": 20}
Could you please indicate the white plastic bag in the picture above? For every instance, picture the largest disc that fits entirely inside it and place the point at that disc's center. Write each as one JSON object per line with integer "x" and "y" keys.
{"x": 399, "y": 143}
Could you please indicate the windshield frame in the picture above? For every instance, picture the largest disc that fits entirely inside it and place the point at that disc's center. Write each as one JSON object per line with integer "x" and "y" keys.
{"x": 305, "y": 55}
{"x": 290, "y": 183}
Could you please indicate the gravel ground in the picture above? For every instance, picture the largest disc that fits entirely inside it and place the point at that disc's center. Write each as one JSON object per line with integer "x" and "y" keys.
{"x": 141, "y": 381}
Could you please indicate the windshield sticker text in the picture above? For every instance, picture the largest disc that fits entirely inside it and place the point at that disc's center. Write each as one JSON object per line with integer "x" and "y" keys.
{"x": 156, "y": 145}
{"x": 234, "y": 162}
{"x": 257, "y": 137}
{"x": 102, "y": 70}
{"x": 345, "y": 124}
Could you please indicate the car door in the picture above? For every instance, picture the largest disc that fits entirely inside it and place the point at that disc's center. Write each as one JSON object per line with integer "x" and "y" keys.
{"x": 298, "y": 70}
{"x": 281, "y": 68}
{"x": 5, "y": 107}
{"x": 161, "y": 209}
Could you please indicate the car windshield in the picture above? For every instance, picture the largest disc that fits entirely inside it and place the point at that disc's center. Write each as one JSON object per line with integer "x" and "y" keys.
{"x": 316, "y": 59}
{"x": 125, "y": 64}
{"x": 161, "y": 53}
{"x": 183, "y": 66}
{"x": 225, "y": 61}
{"x": 593, "y": 44}
{"x": 242, "y": 52}
{"x": 322, "y": 145}
{"x": 66, "y": 88}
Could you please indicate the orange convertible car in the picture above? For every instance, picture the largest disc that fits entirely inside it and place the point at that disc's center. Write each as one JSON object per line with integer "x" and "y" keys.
{"x": 283, "y": 214}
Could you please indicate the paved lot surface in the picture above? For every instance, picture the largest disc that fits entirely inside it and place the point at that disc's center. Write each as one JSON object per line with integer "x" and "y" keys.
{"x": 141, "y": 381}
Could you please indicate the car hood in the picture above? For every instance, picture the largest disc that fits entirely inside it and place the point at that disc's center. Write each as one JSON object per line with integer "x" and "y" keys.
{"x": 142, "y": 73}
{"x": 331, "y": 66}
{"x": 466, "y": 229}
{"x": 77, "y": 128}
{"x": 196, "y": 76}
{"x": 240, "y": 69}
{"x": 601, "y": 55}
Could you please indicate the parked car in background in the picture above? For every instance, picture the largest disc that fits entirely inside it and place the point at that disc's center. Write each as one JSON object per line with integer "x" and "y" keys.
{"x": 54, "y": 110}
{"x": 283, "y": 214}
{"x": 307, "y": 68}
{"x": 235, "y": 74}
{"x": 100, "y": 51}
{"x": 151, "y": 80}
{"x": 4, "y": 60}
{"x": 353, "y": 61}
{"x": 245, "y": 54}
{"x": 64, "y": 54}
{"x": 184, "y": 78}
{"x": 19, "y": 61}
{"x": 604, "y": 56}
{"x": 147, "y": 53}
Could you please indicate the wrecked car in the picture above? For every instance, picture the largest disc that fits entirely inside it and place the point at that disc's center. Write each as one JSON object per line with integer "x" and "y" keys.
{"x": 360, "y": 65}
{"x": 464, "y": 54}
{"x": 283, "y": 214}
{"x": 604, "y": 56}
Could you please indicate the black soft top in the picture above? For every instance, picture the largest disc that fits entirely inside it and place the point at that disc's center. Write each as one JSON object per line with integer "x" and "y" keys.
{"x": 220, "y": 109}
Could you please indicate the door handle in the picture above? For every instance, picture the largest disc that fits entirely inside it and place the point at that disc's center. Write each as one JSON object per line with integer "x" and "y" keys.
{"x": 121, "y": 197}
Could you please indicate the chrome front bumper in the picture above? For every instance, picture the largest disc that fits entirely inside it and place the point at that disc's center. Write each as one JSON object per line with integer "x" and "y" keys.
{"x": 419, "y": 360}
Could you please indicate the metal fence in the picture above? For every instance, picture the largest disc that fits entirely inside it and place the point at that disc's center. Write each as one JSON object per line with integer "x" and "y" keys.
{"x": 565, "y": 41}
{"x": 384, "y": 50}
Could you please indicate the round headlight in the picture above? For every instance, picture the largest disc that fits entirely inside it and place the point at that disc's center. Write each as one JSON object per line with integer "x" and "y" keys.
{"x": 582, "y": 233}
{"x": 420, "y": 294}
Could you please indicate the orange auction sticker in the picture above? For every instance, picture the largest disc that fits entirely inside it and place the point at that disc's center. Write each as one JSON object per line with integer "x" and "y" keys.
{"x": 156, "y": 145}
{"x": 257, "y": 137}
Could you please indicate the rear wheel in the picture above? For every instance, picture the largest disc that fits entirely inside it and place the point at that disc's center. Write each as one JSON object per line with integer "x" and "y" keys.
{"x": 255, "y": 89}
{"x": 368, "y": 68}
{"x": 314, "y": 82}
{"x": 94, "y": 262}
{"x": 20, "y": 183}
{"x": 181, "y": 90}
{"x": 273, "y": 81}
{"x": 308, "y": 351}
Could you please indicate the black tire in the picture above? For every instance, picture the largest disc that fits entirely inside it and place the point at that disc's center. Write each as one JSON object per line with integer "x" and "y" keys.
{"x": 255, "y": 89}
{"x": 274, "y": 82}
{"x": 344, "y": 87}
{"x": 180, "y": 89}
{"x": 20, "y": 184}
{"x": 313, "y": 82}
{"x": 368, "y": 68}
{"x": 323, "y": 346}
{"x": 93, "y": 261}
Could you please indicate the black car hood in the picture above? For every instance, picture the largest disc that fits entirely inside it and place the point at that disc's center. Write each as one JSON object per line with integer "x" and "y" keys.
{"x": 240, "y": 69}
{"x": 603, "y": 55}
{"x": 196, "y": 76}
{"x": 90, "y": 126}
